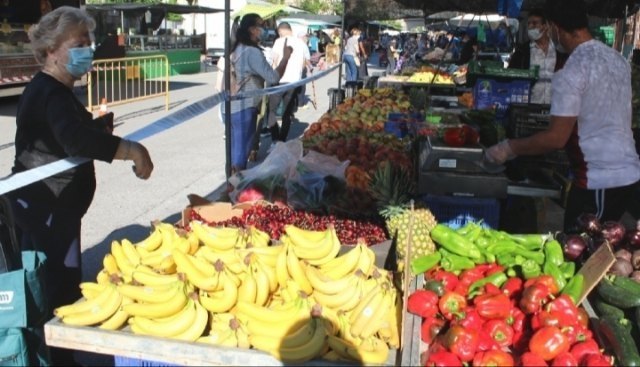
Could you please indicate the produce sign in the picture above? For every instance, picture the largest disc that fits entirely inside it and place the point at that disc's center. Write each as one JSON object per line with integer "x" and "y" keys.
{"x": 296, "y": 300}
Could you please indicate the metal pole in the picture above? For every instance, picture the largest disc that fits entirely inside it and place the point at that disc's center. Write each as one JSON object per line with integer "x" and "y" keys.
{"x": 227, "y": 85}
{"x": 344, "y": 10}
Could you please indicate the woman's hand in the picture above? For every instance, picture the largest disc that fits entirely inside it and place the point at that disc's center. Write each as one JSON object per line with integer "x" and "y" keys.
{"x": 136, "y": 152}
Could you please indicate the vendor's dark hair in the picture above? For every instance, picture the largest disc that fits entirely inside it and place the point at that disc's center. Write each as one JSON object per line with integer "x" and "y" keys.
{"x": 538, "y": 12}
{"x": 243, "y": 34}
{"x": 570, "y": 15}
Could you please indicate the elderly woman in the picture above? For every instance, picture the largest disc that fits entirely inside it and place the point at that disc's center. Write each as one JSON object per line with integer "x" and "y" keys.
{"x": 52, "y": 124}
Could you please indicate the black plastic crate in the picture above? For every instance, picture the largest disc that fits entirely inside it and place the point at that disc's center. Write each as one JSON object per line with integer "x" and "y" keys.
{"x": 527, "y": 119}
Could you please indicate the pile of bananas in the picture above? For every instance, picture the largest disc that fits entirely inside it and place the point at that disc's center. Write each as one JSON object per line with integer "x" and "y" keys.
{"x": 297, "y": 300}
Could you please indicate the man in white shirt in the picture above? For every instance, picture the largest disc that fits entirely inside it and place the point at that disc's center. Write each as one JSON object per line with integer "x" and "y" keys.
{"x": 293, "y": 73}
{"x": 590, "y": 118}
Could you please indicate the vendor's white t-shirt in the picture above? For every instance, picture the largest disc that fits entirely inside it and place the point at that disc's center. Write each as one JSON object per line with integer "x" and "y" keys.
{"x": 293, "y": 72}
{"x": 595, "y": 86}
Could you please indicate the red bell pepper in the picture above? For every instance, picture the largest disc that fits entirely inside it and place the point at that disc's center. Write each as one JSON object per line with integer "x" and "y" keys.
{"x": 452, "y": 305}
{"x": 516, "y": 319}
{"x": 564, "y": 309}
{"x": 471, "y": 319}
{"x": 583, "y": 317}
{"x": 548, "y": 342}
{"x": 577, "y": 333}
{"x": 521, "y": 340}
{"x": 493, "y": 268}
{"x": 565, "y": 359}
{"x": 593, "y": 360}
{"x": 513, "y": 287}
{"x": 582, "y": 349}
{"x": 454, "y": 137}
{"x": 461, "y": 342}
{"x": 423, "y": 303}
{"x": 493, "y": 358}
{"x": 500, "y": 332}
{"x": 544, "y": 318}
{"x": 493, "y": 306}
{"x": 448, "y": 279}
{"x": 529, "y": 359}
{"x": 485, "y": 342}
{"x": 547, "y": 281}
{"x": 491, "y": 288}
{"x": 533, "y": 297}
{"x": 431, "y": 327}
{"x": 442, "y": 359}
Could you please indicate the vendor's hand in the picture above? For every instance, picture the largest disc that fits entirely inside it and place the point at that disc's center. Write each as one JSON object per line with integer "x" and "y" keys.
{"x": 499, "y": 153}
{"x": 142, "y": 161}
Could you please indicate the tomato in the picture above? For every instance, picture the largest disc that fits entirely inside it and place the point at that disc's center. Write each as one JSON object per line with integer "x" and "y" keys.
{"x": 461, "y": 342}
{"x": 451, "y": 305}
{"x": 455, "y": 137}
{"x": 493, "y": 358}
{"x": 548, "y": 342}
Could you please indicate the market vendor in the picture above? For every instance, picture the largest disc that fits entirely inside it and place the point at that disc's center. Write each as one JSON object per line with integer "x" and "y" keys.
{"x": 539, "y": 51}
{"x": 590, "y": 118}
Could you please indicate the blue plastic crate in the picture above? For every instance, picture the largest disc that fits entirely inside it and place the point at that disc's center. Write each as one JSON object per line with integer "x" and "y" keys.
{"x": 488, "y": 93}
{"x": 456, "y": 211}
{"x": 120, "y": 361}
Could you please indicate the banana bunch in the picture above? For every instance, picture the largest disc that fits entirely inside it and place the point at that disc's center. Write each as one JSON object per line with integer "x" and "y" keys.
{"x": 97, "y": 310}
{"x": 227, "y": 331}
{"x": 369, "y": 351}
{"x": 221, "y": 238}
{"x": 360, "y": 257}
{"x": 315, "y": 247}
{"x": 257, "y": 238}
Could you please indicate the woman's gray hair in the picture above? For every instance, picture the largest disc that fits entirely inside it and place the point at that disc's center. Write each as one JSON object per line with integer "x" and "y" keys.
{"x": 55, "y": 27}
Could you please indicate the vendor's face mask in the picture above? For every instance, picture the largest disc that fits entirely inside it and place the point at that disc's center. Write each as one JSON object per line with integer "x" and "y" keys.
{"x": 555, "y": 37}
{"x": 80, "y": 59}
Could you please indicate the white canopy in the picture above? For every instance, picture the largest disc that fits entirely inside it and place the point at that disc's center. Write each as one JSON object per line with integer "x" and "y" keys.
{"x": 472, "y": 20}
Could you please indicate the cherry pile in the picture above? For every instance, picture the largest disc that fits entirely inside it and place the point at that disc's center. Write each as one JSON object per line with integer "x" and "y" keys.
{"x": 273, "y": 218}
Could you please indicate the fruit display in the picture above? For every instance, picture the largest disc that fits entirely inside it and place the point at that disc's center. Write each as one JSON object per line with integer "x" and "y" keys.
{"x": 296, "y": 300}
{"x": 273, "y": 219}
{"x": 430, "y": 77}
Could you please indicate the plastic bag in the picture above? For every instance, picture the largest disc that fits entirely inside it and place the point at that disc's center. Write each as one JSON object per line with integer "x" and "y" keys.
{"x": 267, "y": 181}
{"x": 315, "y": 175}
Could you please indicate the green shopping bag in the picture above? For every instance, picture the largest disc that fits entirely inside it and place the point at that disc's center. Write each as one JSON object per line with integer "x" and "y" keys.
{"x": 23, "y": 347}
{"x": 23, "y": 297}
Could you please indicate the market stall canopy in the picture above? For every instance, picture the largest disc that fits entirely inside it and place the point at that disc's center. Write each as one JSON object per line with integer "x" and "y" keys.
{"x": 473, "y": 20}
{"x": 141, "y": 7}
{"x": 266, "y": 11}
{"x": 599, "y": 8}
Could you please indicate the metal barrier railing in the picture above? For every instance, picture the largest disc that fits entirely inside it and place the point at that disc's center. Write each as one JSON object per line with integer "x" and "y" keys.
{"x": 128, "y": 79}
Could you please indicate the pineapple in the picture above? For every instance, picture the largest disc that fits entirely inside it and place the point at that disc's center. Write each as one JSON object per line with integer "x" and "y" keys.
{"x": 391, "y": 187}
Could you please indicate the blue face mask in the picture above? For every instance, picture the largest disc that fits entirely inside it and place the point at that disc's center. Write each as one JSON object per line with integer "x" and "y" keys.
{"x": 80, "y": 59}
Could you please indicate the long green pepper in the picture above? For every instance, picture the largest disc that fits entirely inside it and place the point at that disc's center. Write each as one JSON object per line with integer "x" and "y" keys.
{"x": 452, "y": 262}
{"x": 553, "y": 252}
{"x": 530, "y": 269}
{"x": 497, "y": 279}
{"x": 448, "y": 239}
{"x": 425, "y": 263}
{"x": 568, "y": 269}
{"x": 574, "y": 288}
{"x": 550, "y": 268}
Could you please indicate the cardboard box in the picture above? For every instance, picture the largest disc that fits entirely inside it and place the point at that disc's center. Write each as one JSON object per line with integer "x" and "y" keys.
{"x": 210, "y": 211}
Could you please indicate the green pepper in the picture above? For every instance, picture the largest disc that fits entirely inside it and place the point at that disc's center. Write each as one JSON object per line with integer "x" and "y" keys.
{"x": 530, "y": 269}
{"x": 553, "y": 252}
{"x": 501, "y": 246}
{"x": 452, "y": 262}
{"x": 435, "y": 286}
{"x": 551, "y": 269}
{"x": 474, "y": 234}
{"x": 506, "y": 259}
{"x": 464, "y": 230}
{"x": 568, "y": 269}
{"x": 482, "y": 242}
{"x": 574, "y": 288}
{"x": 496, "y": 279}
{"x": 448, "y": 239}
{"x": 490, "y": 258}
{"x": 510, "y": 247}
{"x": 425, "y": 263}
{"x": 529, "y": 241}
{"x": 511, "y": 273}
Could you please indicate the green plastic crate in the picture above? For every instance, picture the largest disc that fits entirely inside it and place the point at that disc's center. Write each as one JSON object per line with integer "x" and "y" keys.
{"x": 495, "y": 70}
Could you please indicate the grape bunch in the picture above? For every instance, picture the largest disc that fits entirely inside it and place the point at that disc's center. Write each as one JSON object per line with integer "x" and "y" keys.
{"x": 273, "y": 218}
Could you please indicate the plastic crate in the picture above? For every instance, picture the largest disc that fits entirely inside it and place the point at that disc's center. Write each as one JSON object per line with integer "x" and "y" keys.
{"x": 498, "y": 95}
{"x": 456, "y": 211}
{"x": 527, "y": 119}
{"x": 336, "y": 96}
{"x": 119, "y": 361}
{"x": 496, "y": 70}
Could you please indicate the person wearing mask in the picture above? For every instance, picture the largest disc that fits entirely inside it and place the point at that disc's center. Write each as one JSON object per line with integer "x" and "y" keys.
{"x": 539, "y": 51}
{"x": 292, "y": 73}
{"x": 590, "y": 118}
{"x": 351, "y": 52}
{"x": 251, "y": 72}
{"x": 52, "y": 124}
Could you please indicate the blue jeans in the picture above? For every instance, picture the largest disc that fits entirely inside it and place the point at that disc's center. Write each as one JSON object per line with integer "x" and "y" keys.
{"x": 243, "y": 130}
{"x": 351, "y": 69}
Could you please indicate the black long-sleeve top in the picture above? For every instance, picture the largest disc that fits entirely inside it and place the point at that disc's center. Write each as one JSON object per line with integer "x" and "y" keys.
{"x": 52, "y": 124}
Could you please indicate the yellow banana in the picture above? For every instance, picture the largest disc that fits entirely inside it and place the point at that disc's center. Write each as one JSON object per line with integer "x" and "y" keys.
{"x": 182, "y": 244}
{"x": 324, "y": 284}
{"x": 125, "y": 266}
{"x": 185, "y": 265}
{"x": 168, "y": 326}
{"x": 167, "y": 266}
{"x": 110, "y": 265}
{"x": 152, "y": 242}
{"x": 221, "y": 301}
{"x": 270, "y": 272}
{"x": 370, "y": 351}
{"x": 205, "y": 267}
{"x": 150, "y": 294}
{"x": 130, "y": 252}
{"x": 195, "y": 330}
{"x": 152, "y": 279}
{"x": 261, "y": 313}
{"x": 258, "y": 238}
{"x": 367, "y": 265}
{"x": 393, "y": 317}
{"x": 103, "y": 277}
{"x": 230, "y": 258}
{"x": 194, "y": 243}
{"x": 158, "y": 310}
{"x": 297, "y": 272}
{"x": 333, "y": 356}
{"x": 218, "y": 238}
{"x": 347, "y": 300}
{"x": 294, "y": 338}
{"x": 365, "y": 316}
{"x": 118, "y": 319}
{"x": 91, "y": 290}
{"x": 303, "y": 237}
{"x": 233, "y": 277}
{"x": 379, "y": 316}
{"x": 86, "y": 305}
{"x": 342, "y": 265}
{"x": 248, "y": 289}
{"x": 322, "y": 252}
{"x": 263, "y": 286}
{"x": 100, "y": 312}
{"x": 304, "y": 352}
{"x": 223, "y": 338}
{"x": 282, "y": 274}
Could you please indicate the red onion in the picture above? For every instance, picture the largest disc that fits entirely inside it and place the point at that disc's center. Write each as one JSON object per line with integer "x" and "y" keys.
{"x": 574, "y": 246}
{"x": 613, "y": 232}
{"x": 623, "y": 254}
{"x": 589, "y": 223}
{"x": 621, "y": 268}
{"x": 633, "y": 238}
